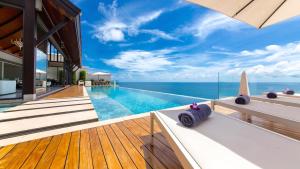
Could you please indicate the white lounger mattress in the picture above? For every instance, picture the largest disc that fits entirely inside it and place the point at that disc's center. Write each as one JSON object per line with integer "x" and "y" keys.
{"x": 296, "y": 95}
{"x": 288, "y": 101}
{"x": 222, "y": 142}
{"x": 287, "y": 115}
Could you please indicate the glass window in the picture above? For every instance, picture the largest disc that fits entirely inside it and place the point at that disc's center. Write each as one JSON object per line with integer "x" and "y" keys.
{"x": 12, "y": 72}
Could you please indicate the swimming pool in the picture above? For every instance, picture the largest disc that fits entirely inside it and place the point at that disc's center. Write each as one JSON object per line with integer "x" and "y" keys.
{"x": 4, "y": 107}
{"x": 117, "y": 102}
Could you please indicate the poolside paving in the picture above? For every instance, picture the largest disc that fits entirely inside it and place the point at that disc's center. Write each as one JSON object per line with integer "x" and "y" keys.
{"x": 36, "y": 118}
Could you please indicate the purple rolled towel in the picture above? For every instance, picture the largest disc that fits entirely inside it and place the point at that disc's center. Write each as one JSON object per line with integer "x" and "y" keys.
{"x": 242, "y": 99}
{"x": 271, "y": 95}
{"x": 289, "y": 92}
{"x": 190, "y": 118}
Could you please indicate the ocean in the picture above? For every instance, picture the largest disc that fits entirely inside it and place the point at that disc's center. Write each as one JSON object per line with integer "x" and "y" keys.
{"x": 210, "y": 90}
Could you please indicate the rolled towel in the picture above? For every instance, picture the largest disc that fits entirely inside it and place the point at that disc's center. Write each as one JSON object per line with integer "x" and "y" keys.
{"x": 190, "y": 118}
{"x": 271, "y": 95}
{"x": 242, "y": 99}
{"x": 289, "y": 92}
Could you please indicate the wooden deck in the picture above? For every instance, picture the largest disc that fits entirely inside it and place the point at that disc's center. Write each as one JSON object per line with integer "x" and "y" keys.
{"x": 119, "y": 145}
{"x": 72, "y": 91}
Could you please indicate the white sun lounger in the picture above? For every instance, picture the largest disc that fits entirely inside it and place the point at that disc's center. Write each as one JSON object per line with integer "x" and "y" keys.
{"x": 296, "y": 95}
{"x": 222, "y": 142}
{"x": 286, "y": 115}
{"x": 288, "y": 101}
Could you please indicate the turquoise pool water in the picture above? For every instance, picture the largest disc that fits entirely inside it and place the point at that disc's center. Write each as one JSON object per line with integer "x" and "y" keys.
{"x": 112, "y": 102}
{"x": 4, "y": 107}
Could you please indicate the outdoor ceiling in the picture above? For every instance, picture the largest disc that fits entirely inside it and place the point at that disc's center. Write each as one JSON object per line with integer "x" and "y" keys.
{"x": 68, "y": 34}
{"x": 67, "y": 39}
{"x": 11, "y": 24}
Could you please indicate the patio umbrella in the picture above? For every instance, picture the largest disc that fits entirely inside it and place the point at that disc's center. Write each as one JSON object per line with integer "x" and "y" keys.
{"x": 101, "y": 74}
{"x": 258, "y": 13}
{"x": 39, "y": 72}
{"x": 244, "y": 86}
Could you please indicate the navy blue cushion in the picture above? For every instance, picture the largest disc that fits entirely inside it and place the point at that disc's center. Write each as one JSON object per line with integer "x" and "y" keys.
{"x": 242, "y": 99}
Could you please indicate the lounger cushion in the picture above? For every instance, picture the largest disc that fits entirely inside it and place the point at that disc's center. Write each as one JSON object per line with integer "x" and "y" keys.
{"x": 271, "y": 95}
{"x": 227, "y": 143}
{"x": 289, "y": 92}
{"x": 242, "y": 99}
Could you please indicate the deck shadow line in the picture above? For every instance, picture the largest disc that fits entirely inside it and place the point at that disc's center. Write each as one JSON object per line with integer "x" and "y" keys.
{"x": 44, "y": 115}
{"x": 48, "y": 128}
{"x": 9, "y": 111}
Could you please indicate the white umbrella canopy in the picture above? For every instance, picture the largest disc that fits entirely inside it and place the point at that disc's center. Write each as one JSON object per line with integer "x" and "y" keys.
{"x": 101, "y": 74}
{"x": 244, "y": 85}
{"x": 39, "y": 71}
{"x": 258, "y": 13}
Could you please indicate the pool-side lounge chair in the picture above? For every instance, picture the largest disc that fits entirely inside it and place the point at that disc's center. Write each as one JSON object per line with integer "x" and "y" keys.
{"x": 288, "y": 101}
{"x": 224, "y": 142}
{"x": 286, "y": 115}
{"x": 296, "y": 95}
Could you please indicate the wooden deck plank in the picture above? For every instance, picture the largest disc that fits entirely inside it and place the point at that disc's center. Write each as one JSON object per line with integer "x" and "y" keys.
{"x": 148, "y": 155}
{"x": 36, "y": 154}
{"x": 97, "y": 151}
{"x": 165, "y": 154}
{"x": 145, "y": 136}
{"x": 49, "y": 154}
{"x": 135, "y": 155}
{"x": 5, "y": 150}
{"x": 86, "y": 161}
{"x": 111, "y": 146}
{"x": 16, "y": 157}
{"x": 146, "y": 127}
{"x": 62, "y": 151}
{"x": 147, "y": 120}
{"x": 122, "y": 154}
{"x": 110, "y": 156}
{"x": 73, "y": 153}
{"x": 73, "y": 91}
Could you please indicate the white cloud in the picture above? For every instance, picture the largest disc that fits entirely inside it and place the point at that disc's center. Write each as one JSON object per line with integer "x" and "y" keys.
{"x": 159, "y": 34}
{"x": 117, "y": 24}
{"x": 210, "y": 23}
{"x": 140, "y": 61}
{"x": 276, "y": 53}
{"x": 174, "y": 64}
{"x": 270, "y": 63}
{"x": 110, "y": 31}
{"x": 137, "y": 22}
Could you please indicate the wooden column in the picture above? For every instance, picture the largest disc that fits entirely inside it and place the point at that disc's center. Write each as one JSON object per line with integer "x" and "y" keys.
{"x": 29, "y": 50}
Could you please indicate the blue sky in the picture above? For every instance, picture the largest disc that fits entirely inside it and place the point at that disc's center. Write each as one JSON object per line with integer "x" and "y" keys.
{"x": 173, "y": 40}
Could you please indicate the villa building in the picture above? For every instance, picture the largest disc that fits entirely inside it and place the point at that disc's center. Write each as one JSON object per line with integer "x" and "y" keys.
{"x": 40, "y": 46}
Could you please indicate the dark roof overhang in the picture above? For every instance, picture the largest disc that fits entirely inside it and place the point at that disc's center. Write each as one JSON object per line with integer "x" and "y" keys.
{"x": 67, "y": 39}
